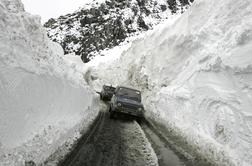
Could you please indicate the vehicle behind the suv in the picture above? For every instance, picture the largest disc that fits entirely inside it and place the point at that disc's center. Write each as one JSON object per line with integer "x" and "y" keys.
{"x": 107, "y": 92}
{"x": 126, "y": 101}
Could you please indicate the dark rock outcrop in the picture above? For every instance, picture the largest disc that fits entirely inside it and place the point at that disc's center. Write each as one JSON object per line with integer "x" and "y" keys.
{"x": 105, "y": 25}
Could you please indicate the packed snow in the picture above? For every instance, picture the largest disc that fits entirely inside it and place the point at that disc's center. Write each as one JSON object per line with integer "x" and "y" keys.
{"x": 196, "y": 78}
{"x": 44, "y": 100}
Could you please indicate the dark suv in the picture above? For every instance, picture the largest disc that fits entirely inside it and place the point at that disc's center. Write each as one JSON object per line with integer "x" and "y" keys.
{"x": 107, "y": 92}
{"x": 126, "y": 101}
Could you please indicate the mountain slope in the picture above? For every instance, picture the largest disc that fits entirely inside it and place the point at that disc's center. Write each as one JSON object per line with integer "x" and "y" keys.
{"x": 103, "y": 25}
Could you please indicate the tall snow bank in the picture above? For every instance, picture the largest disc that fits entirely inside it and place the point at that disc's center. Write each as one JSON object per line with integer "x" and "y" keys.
{"x": 42, "y": 97}
{"x": 196, "y": 75}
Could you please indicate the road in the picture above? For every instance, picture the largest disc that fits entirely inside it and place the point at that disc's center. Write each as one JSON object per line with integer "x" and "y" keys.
{"x": 113, "y": 143}
{"x": 122, "y": 142}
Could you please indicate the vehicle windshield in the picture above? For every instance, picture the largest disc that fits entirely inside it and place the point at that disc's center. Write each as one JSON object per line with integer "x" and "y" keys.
{"x": 129, "y": 93}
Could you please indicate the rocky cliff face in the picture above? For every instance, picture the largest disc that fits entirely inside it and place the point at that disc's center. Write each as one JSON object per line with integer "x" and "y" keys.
{"x": 101, "y": 25}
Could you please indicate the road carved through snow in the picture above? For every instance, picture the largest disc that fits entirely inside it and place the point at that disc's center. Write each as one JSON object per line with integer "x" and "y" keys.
{"x": 113, "y": 142}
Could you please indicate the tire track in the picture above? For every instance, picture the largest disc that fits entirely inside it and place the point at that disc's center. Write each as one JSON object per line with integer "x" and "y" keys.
{"x": 75, "y": 154}
{"x": 169, "y": 154}
{"x": 112, "y": 143}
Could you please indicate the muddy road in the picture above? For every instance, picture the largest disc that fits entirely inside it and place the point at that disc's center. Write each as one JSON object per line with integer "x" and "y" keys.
{"x": 122, "y": 142}
{"x": 113, "y": 142}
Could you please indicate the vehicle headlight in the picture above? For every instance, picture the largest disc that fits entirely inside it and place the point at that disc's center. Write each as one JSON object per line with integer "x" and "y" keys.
{"x": 140, "y": 109}
{"x": 119, "y": 104}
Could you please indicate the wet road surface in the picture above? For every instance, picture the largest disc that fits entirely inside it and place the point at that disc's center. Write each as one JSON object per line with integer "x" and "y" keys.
{"x": 122, "y": 142}
{"x": 113, "y": 142}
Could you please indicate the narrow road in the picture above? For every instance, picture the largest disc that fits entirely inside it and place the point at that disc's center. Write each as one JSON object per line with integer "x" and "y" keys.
{"x": 113, "y": 142}
{"x": 121, "y": 142}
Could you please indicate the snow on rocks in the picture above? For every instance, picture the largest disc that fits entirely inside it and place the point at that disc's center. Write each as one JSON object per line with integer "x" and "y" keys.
{"x": 196, "y": 78}
{"x": 107, "y": 24}
{"x": 42, "y": 96}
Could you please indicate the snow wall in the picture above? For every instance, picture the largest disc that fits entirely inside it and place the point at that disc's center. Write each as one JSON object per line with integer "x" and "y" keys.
{"x": 196, "y": 75}
{"x": 44, "y": 101}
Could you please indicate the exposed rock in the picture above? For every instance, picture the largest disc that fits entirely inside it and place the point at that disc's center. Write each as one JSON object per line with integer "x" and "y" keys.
{"x": 105, "y": 25}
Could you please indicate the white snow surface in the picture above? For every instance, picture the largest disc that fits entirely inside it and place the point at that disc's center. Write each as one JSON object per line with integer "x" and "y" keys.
{"x": 44, "y": 100}
{"x": 196, "y": 78}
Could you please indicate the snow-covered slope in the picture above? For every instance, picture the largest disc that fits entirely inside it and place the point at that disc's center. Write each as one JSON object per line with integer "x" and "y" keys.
{"x": 42, "y": 96}
{"x": 105, "y": 24}
{"x": 196, "y": 75}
